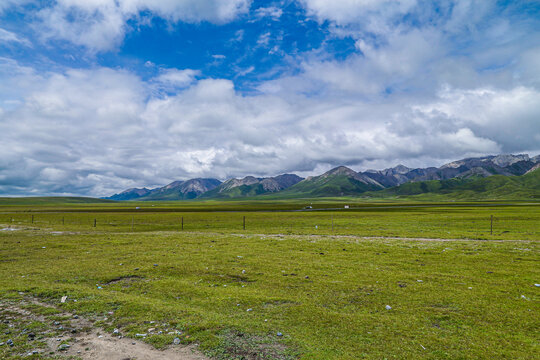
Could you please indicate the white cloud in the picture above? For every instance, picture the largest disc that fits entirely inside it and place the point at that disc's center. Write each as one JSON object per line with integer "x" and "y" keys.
{"x": 99, "y": 131}
{"x": 345, "y": 12}
{"x": 6, "y": 4}
{"x": 100, "y": 25}
{"x": 271, "y": 11}
{"x": 7, "y": 37}
{"x": 174, "y": 78}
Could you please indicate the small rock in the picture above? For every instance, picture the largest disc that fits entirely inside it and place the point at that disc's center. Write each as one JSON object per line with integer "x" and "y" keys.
{"x": 155, "y": 265}
{"x": 537, "y": 285}
{"x": 388, "y": 307}
{"x": 176, "y": 341}
{"x": 63, "y": 299}
{"x": 140, "y": 335}
{"x": 279, "y": 334}
{"x": 57, "y": 323}
{"x": 116, "y": 331}
{"x": 100, "y": 336}
{"x": 249, "y": 310}
{"x": 419, "y": 281}
{"x": 63, "y": 347}
{"x": 10, "y": 342}
{"x": 31, "y": 336}
{"x": 151, "y": 329}
{"x": 133, "y": 343}
{"x": 243, "y": 271}
{"x": 1, "y": 344}
{"x": 136, "y": 269}
{"x": 75, "y": 316}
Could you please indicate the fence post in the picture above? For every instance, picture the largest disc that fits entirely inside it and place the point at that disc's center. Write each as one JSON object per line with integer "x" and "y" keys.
{"x": 132, "y": 222}
{"x": 332, "y": 223}
{"x": 244, "y": 225}
{"x": 94, "y": 222}
{"x": 32, "y": 219}
{"x": 491, "y": 225}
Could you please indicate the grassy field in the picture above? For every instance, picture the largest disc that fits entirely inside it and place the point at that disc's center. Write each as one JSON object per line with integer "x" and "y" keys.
{"x": 321, "y": 278}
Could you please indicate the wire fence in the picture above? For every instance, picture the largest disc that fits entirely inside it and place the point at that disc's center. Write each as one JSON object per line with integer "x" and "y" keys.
{"x": 437, "y": 224}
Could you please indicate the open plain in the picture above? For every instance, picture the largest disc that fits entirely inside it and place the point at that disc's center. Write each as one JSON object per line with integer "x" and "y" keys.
{"x": 376, "y": 280}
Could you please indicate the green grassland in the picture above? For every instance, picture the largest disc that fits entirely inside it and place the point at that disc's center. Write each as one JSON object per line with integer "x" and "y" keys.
{"x": 475, "y": 188}
{"x": 322, "y": 278}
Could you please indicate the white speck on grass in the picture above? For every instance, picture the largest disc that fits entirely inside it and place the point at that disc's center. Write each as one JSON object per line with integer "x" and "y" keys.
{"x": 388, "y": 307}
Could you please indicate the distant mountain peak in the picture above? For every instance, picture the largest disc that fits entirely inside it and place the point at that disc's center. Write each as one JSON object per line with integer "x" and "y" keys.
{"x": 340, "y": 170}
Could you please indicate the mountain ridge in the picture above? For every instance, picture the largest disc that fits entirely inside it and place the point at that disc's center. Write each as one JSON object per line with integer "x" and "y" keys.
{"x": 338, "y": 181}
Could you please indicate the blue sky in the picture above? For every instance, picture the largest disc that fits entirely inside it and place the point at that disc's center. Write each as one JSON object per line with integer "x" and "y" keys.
{"x": 100, "y": 95}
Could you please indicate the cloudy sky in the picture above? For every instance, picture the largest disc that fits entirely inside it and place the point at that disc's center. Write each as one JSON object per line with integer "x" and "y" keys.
{"x": 97, "y": 96}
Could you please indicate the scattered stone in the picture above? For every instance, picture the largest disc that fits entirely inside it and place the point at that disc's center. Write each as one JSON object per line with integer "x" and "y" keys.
{"x": 537, "y": 285}
{"x": 63, "y": 347}
{"x": 419, "y": 281}
{"x": 57, "y": 323}
{"x": 388, "y": 307}
{"x": 140, "y": 335}
{"x": 524, "y": 297}
{"x": 63, "y": 300}
{"x": 1, "y": 344}
{"x": 75, "y": 316}
{"x": 151, "y": 329}
{"x": 136, "y": 269}
{"x": 243, "y": 271}
{"x": 155, "y": 265}
{"x": 279, "y": 334}
{"x": 116, "y": 331}
{"x": 249, "y": 310}
{"x": 133, "y": 343}
{"x": 10, "y": 342}
{"x": 31, "y": 336}
{"x": 176, "y": 341}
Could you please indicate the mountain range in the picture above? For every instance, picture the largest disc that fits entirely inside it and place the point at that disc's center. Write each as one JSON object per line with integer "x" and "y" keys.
{"x": 343, "y": 181}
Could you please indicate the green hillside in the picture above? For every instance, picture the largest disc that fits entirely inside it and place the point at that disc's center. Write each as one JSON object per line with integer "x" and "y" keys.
{"x": 170, "y": 195}
{"x": 493, "y": 187}
{"x": 235, "y": 192}
{"x": 328, "y": 186}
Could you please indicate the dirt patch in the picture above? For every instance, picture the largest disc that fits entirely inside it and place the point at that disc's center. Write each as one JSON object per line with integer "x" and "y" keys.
{"x": 125, "y": 281}
{"x": 38, "y": 329}
{"x": 237, "y": 345}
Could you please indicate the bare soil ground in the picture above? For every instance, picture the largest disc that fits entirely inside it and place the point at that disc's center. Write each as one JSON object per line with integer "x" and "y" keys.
{"x": 76, "y": 337}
